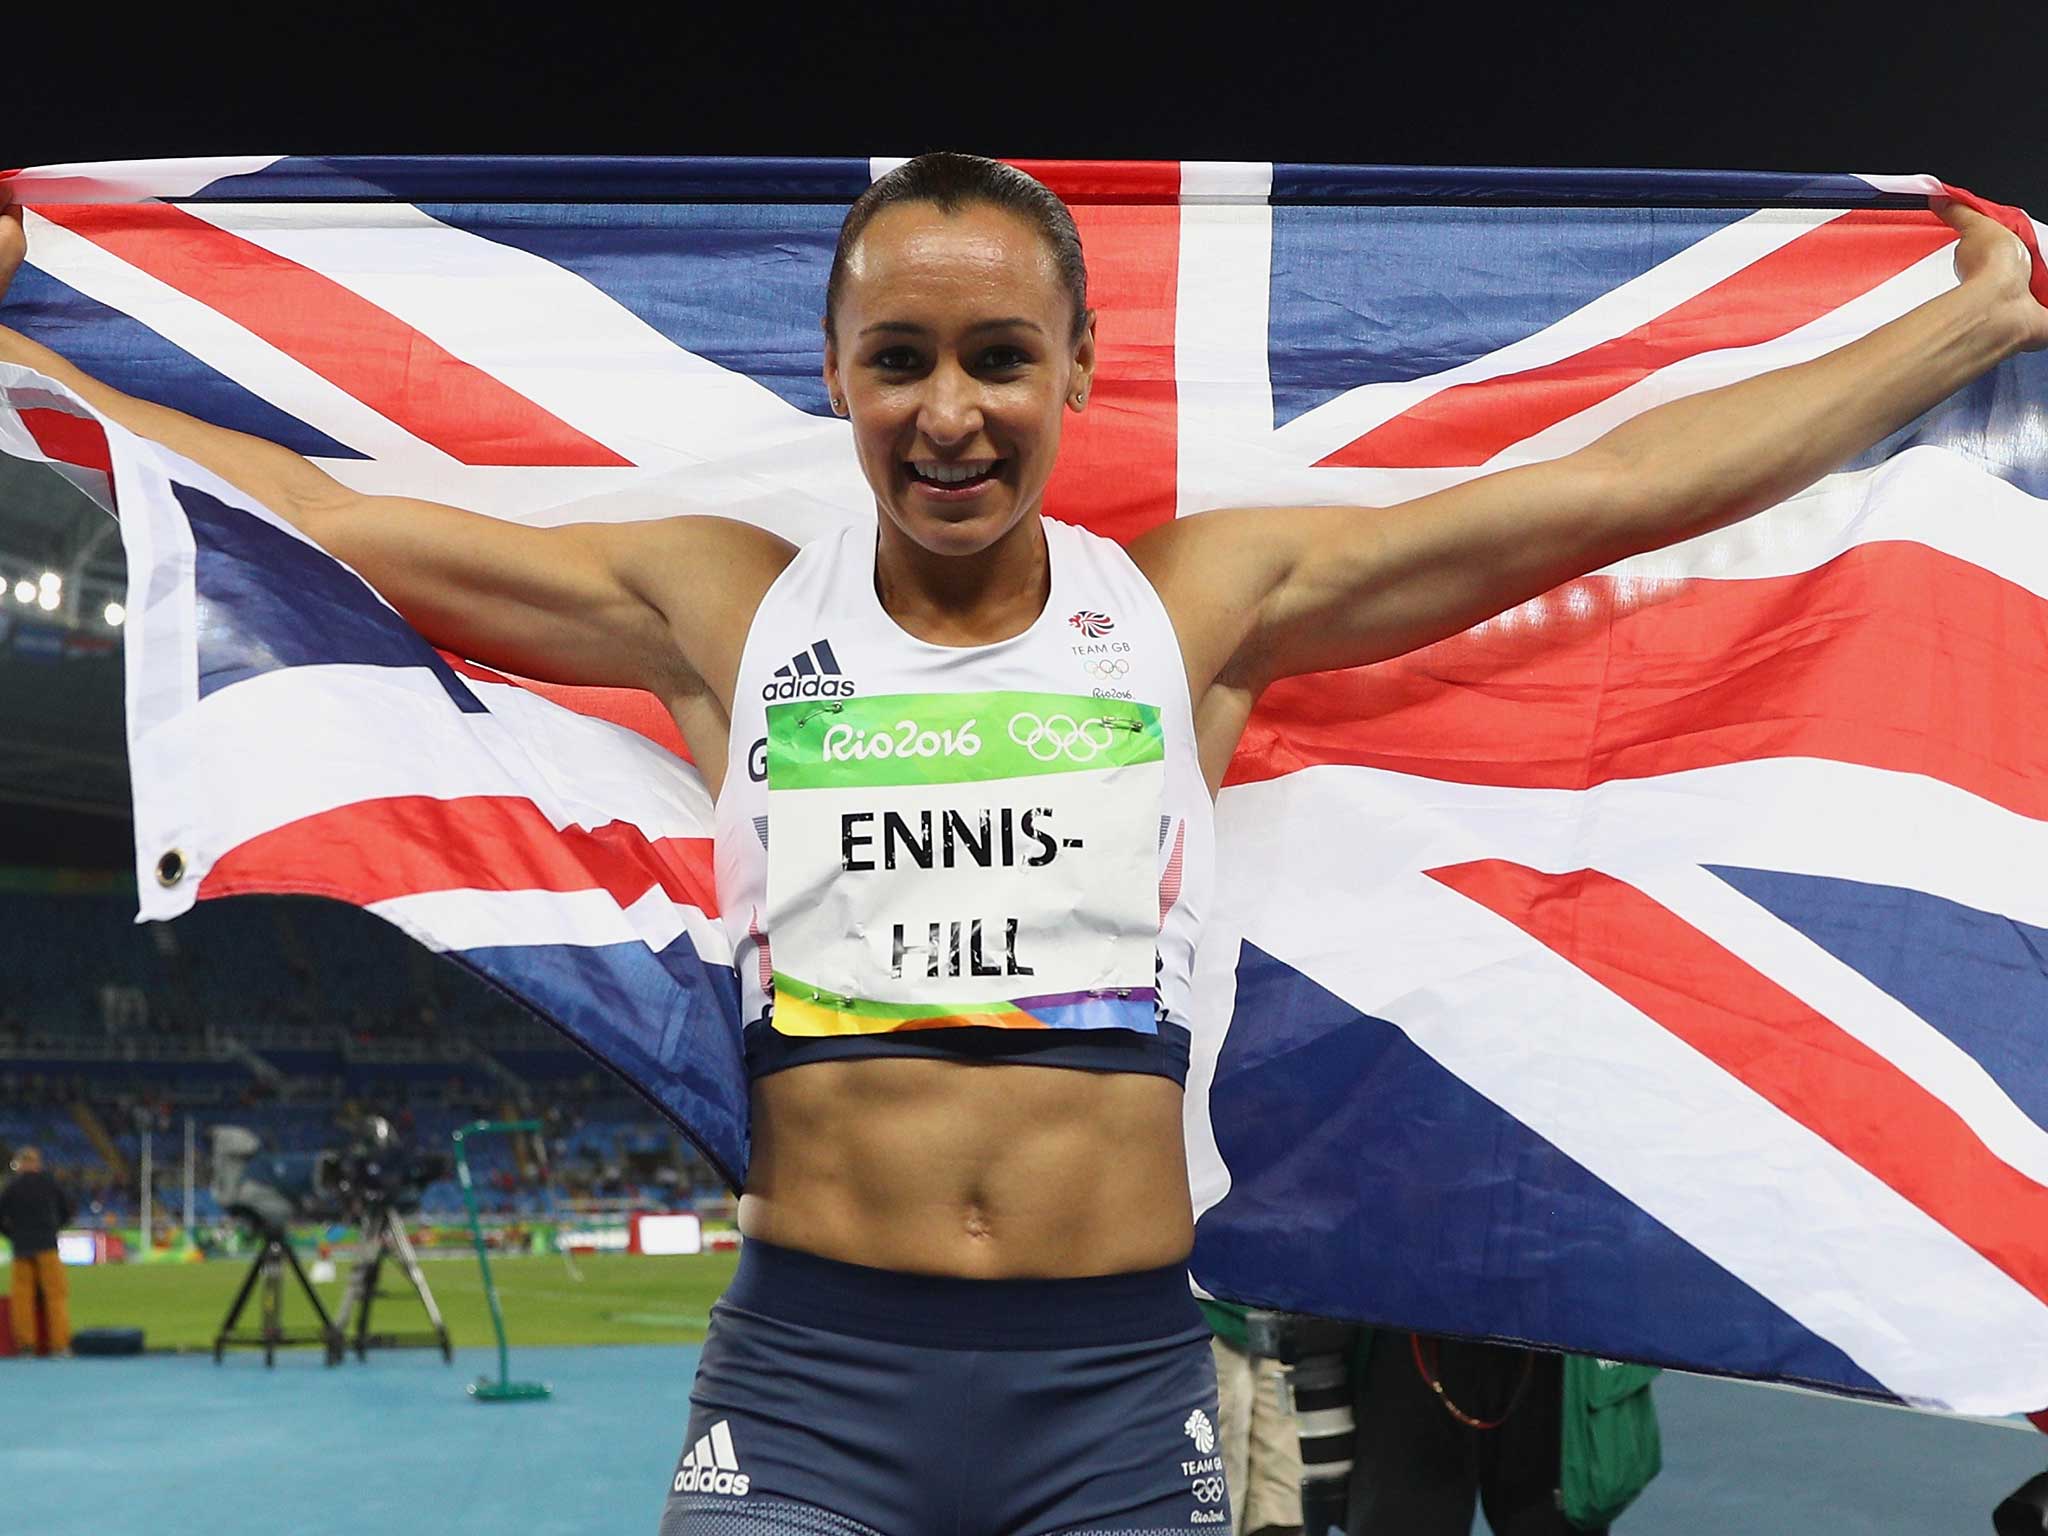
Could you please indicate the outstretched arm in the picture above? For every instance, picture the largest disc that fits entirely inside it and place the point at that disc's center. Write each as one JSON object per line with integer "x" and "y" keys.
{"x": 641, "y": 605}
{"x": 1268, "y": 593}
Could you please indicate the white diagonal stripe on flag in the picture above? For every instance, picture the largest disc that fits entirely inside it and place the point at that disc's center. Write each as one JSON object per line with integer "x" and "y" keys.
{"x": 1854, "y": 1004}
{"x": 562, "y": 342}
{"x": 123, "y": 181}
{"x": 576, "y": 770}
{"x": 1837, "y": 327}
{"x": 472, "y": 919}
{"x": 222, "y": 345}
{"x": 1642, "y": 1111}
{"x": 1710, "y": 260}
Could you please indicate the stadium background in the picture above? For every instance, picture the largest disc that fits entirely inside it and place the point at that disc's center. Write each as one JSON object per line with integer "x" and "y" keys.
{"x": 291, "y": 1016}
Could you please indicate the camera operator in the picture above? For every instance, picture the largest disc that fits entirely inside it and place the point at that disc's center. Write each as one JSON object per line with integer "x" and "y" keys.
{"x": 1261, "y": 1446}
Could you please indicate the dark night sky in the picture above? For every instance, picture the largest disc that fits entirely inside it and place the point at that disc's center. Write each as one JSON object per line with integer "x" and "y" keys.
{"x": 1821, "y": 86}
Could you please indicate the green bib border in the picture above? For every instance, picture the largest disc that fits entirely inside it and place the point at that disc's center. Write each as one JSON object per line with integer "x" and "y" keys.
{"x": 901, "y": 739}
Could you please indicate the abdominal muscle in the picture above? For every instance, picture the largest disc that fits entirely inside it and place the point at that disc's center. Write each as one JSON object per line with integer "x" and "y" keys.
{"x": 969, "y": 1169}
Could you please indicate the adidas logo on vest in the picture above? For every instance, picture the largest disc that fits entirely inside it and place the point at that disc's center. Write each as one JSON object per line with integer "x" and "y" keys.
{"x": 812, "y": 673}
{"x": 712, "y": 1466}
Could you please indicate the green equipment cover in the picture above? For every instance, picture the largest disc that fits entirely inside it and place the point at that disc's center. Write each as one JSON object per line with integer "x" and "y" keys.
{"x": 1610, "y": 1448}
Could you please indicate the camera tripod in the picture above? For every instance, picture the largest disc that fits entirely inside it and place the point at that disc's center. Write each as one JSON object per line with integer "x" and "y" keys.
{"x": 384, "y": 1238}
{"x": 267, "y": 1269}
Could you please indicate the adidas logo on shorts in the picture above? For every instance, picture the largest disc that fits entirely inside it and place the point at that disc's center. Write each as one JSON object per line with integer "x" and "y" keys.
{"x": 812, "y": 673}
{"x": 712, "y": 1466}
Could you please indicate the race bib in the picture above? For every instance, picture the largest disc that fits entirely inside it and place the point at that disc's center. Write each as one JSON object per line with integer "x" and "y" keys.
{"x": 937, "y": 860}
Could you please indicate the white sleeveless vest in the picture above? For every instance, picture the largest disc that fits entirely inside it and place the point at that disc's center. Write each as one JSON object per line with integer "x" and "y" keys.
{"x": 999, "y": 852}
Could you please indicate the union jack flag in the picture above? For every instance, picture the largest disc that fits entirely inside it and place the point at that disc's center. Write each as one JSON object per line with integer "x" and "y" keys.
{"x": 1651, "y": 971}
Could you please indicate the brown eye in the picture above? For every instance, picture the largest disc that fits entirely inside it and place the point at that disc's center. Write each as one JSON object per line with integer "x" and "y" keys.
{"x": 895, "y": 360}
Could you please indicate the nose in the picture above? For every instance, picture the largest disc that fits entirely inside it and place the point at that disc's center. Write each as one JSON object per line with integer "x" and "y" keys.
{"x": 950, "y": 413}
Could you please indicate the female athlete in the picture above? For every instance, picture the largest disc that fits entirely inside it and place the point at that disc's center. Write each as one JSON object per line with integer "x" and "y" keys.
{"x": 963, "y": 877}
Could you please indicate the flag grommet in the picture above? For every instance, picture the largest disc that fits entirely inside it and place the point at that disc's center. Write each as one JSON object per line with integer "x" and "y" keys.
{"x": 170, "y": 869}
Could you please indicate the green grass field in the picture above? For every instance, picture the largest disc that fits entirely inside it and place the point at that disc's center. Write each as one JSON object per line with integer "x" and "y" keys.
{"x": 621, "y": 1299}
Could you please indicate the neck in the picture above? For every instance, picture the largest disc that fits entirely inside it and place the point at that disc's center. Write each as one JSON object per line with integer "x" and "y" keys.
{"x": 973, "y": 599}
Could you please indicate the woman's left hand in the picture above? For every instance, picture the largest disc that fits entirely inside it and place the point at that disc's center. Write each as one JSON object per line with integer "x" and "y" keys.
{"x": 13, "y": 244}
{"x": 1996, "y": 261}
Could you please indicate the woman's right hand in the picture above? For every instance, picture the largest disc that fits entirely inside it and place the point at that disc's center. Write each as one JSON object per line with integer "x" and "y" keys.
{"x": 13, "y": 242}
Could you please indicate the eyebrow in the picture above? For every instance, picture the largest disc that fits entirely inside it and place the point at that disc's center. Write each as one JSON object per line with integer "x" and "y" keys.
{"x": 910, "y": 328}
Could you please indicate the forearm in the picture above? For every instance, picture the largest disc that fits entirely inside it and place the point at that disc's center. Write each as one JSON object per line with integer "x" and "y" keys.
{"x": 1715, "y": 458}
{"x": 1331, "y": 589}
{"x": 274, "y": 476}
{"x": 552, "y": 603}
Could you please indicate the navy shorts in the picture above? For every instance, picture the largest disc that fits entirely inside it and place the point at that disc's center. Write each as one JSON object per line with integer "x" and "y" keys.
{"x": 843, "y": 1401}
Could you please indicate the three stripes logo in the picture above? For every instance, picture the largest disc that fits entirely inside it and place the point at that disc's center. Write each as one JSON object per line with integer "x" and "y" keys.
{"x": 712, "y": 1466}
{"x": 812, "y": 673}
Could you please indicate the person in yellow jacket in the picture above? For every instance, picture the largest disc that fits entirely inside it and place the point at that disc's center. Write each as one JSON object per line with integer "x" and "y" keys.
{"x": 32, "y": 1211}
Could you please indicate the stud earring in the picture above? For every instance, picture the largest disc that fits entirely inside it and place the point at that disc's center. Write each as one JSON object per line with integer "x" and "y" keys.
{"x": 838, "y": 406}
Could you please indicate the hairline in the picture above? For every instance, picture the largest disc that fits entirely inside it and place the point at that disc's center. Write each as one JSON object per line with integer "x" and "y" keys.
{"x": 976, "y": 181}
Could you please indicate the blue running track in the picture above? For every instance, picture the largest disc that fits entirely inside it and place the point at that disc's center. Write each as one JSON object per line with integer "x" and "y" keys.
{"x": 175, "y": 1446}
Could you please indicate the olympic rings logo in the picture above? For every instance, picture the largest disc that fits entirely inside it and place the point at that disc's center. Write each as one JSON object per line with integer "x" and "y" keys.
{"x": 1113, "y": 666}
{"x": 1209, "y": 1490}
{"x": 1060, "y": 735}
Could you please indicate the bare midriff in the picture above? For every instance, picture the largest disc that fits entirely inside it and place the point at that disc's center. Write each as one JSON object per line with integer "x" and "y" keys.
{"x": 968, "y": 1169}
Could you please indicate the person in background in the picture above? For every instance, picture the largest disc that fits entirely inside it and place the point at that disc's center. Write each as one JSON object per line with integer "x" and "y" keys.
{"x": 1257, "y": 1435}
{"x": 1545, "y": 1444}
{"x": 33, "y": 1209}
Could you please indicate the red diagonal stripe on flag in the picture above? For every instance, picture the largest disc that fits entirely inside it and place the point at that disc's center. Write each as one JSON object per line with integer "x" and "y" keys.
{"x": 368, "y": 352}
{"x": 75, "y": 440}
{"x": 72, "y": 439}
{"x": 1891, "y": 655}
{"x": 636, "y": 710}
{"x": 1801, "y": 1061}
{"x": 406, "y": 845}
{"x": 1467, "y": 424}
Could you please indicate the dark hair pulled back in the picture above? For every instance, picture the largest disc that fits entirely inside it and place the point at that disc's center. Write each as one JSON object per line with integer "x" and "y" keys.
{"x": 950, "y": 182}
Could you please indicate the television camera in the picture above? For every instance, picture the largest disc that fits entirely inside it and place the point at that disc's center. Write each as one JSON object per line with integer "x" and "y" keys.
{"x": 371, "y": 1182}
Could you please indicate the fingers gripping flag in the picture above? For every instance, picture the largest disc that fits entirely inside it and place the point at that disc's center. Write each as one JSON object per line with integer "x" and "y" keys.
{"x": 1654, "y": 970}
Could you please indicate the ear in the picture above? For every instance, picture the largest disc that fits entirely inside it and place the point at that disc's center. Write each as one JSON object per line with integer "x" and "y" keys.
{"x": 1083, "y": 383}
{"x": 833, "y": 391}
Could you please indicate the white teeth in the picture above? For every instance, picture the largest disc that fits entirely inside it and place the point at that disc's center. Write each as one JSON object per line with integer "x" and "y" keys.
{"x": 950, "y": 474}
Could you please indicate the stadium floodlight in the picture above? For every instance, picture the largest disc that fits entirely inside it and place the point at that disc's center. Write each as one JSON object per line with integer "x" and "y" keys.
{"x": 49, "y": 598}
{"x": 24, "y": 591}
{"x": 116, "y": 615}
{"x": 50, "y": 581}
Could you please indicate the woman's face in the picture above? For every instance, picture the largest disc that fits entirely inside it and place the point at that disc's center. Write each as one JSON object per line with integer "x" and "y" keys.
{"x": 955, "y": 355}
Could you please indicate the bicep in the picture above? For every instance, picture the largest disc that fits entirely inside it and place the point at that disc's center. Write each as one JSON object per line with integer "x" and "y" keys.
{"x": 1349, "y": 586}
{"x": 584, "y": 603}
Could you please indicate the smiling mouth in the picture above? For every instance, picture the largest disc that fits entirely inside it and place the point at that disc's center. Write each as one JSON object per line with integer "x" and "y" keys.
{"x": 952, "y": 477}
